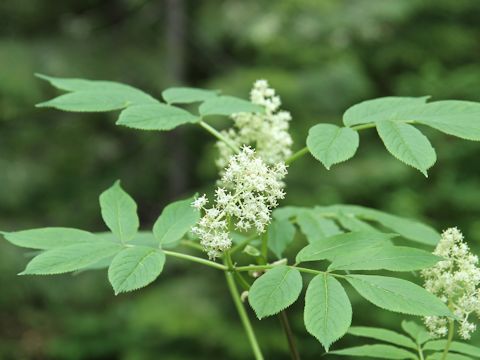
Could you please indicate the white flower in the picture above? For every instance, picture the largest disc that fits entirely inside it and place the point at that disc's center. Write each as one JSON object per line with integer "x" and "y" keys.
{"x": 251, "y": 190}
{"x": 267, "y": 132}
{"x": 200, "y": 202}
{"x": 455, "y": 281}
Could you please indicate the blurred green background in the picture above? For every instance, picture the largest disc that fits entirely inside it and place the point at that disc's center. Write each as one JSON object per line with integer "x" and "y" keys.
{"x": 321, "y": 56}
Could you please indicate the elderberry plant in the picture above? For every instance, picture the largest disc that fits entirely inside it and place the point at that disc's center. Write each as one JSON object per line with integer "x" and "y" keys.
{"x": 344, "y": 243}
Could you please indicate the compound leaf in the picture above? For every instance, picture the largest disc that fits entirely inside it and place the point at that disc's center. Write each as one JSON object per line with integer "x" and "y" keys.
{"x": 417, "y": 332}
{"x": 379, "y": 351}
{"x": 331, "y": 144}
{"x": 227, "y": 105}
{"x": 135, "y": 267}
{"x": 352, "y": 223}
{"x": 329, "y": 248}
{"x": 48, "y": 238}
{"x": 382, "y": 334}
{"x": 175, "y": 220}
{"x": 315, "y": 227}
{"x": 453, "y": 117}
{"x": 70, "y": 258}
{"x": 384, "y": 108}
{"x": 450, "y": 356}
{"x": 280, "y": 234}
{"x": 119, "y": 211}
{"x": 275, "y": 290}
{"x": 455, "y": 346}
{"x": 93, "y": 96}
{"x": 393, "y": 258}
{"x": 328, "y": 312}
{"x": 186, "y": 95}
{"x": 398, "y": 295}
{"x": 409, "y": 229}
{"x": 407, "y": 144}
{"x": 155, "y": 117}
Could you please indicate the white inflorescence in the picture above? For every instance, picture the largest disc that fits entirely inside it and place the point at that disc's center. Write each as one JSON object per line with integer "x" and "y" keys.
{"x": 251, "y": 189}
{"x": 455, "y": 281}
{"x": 267, "y": 132}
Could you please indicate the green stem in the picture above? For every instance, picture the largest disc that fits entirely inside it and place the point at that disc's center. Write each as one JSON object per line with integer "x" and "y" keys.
{"x": 253, "y": 267}
{"x": 196, "y": 259}
{"x": 420, "y": 352}
{"x": 243, "y": 282}
{"x": 219, "y": 135}
{"x": 241, "y": 245}
{"x": 289, "y": 334}
{"x": 270, "y": 266}
{"x": 264, "y": 249}
{"x": 297, "y": 155}
{"x": 363, "y": 126}
{"x": 283, "y": 319}
{"x": 241, "y": 310}
{"x": 451, "y": 329}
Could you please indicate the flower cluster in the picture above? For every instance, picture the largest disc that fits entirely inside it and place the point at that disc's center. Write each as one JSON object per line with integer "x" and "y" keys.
{"x": 267, "y": 132}
{"x": 455, "y": 281}
{"x": 251, "y": 190}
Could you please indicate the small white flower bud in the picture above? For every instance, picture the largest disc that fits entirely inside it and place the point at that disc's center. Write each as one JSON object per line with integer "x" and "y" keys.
{"x": 267, "y": 132}
{"x": 251, "y": 192}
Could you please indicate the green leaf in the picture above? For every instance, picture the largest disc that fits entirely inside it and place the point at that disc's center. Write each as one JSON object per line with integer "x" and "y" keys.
{"x": 252, "y": 251}
{"x": 350, "y": 222}
{"x": 92, "y": 95}
{"x": 379, "y": 351}
{"x": 227, "y": 105}
{"x": 155, "y": 117}
{"x": 135, "y": 267}
{"x": 407, "y": 228}
{"x": 417, "y": 332}
{"x": 99, "y": 265}
{"x": 453, "y": 117}
{"x": 119, "y": 211}
{"x": 407, "y": 144}
{"x": 142, "y": 238}
{"x": 455, "y": 346}
{"x": 175, "y": 220}
{"x": 48, "y": 238}
{"x": 328, "y": 312}
{"x": 398, "y": 295}
{"x": 73, "y": 84}
{"x": 450, "y": 356}
{"x": 187, "y": 95}
{"x": 288, "y": 212}
{"x": 331, "y": 144}
{"x": 275, "y": 290}
{"x": 385, "y": 108}
{"x": 329, "y": 248}
{"x": 382, "y": 334}
{"x": 393, "y": 258}
{"x": 315, "y": 227}
{"x": 280, "y": 235}
{"x": 70, "y": 258}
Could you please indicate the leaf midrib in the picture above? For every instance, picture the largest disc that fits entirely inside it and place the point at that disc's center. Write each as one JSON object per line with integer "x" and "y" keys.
{"x": 140, "y": 262}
